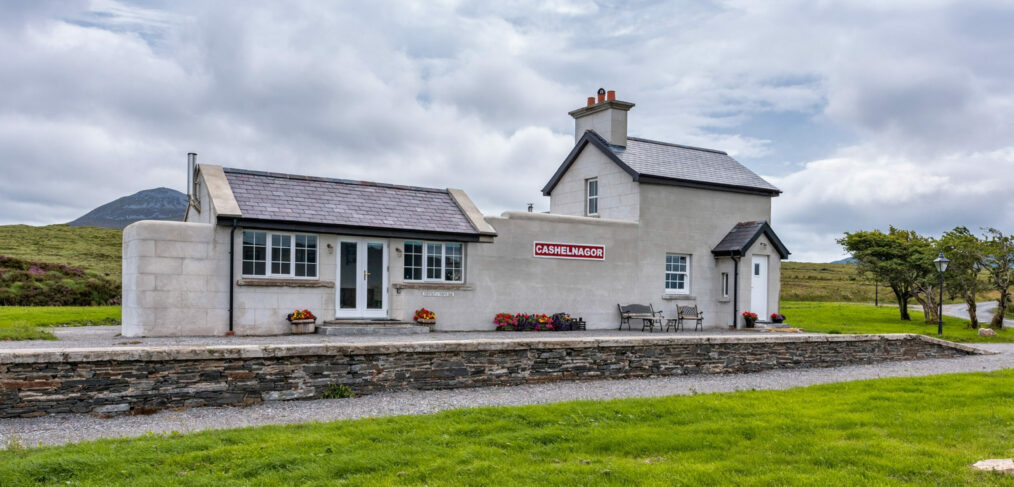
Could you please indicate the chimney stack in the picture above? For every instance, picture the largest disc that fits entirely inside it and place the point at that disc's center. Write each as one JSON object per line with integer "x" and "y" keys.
{"x": 606, "y": 115}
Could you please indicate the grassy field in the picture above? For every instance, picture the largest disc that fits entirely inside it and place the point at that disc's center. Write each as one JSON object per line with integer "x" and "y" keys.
{"x": 805, "y": 281}
{"x": 865, "y": 318}
{"x": 89, "y": 248}
{"x": 27, "y": 323}
{"x": 912, "y": 431}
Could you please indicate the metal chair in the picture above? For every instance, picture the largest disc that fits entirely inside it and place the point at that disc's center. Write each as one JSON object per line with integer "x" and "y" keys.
{"x": 690, "y": 312}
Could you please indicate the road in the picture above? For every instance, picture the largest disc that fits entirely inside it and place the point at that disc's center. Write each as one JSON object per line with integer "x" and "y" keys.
{"x": 983, "y": 310}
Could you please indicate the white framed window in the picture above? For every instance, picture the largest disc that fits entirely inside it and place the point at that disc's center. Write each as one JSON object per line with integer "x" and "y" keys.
{"x": 290, "y": 255}
{"x": 677, "y": 273}
{"x": 255, "y": 253}
{"x": 725, "y": 284}
{"x": 434, "y": 261}
{"x": 413, "y": 261}
{"x": 592, "y": 190}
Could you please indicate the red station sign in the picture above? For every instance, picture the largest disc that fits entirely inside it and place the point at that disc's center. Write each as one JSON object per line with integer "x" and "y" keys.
{"x": 553, "y": 250}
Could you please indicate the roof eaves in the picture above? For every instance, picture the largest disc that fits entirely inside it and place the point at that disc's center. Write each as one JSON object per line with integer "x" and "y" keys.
{"x": 653, "y": 179}
{"x": 355, "y": 230}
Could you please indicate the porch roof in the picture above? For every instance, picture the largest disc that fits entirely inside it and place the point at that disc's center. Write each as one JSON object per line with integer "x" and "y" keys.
{"x": 742, "y": 237}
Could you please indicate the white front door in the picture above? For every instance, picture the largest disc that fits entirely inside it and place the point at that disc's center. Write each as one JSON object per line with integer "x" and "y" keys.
{"x": 362, "y": 278}
{"x": 759, "y": 287}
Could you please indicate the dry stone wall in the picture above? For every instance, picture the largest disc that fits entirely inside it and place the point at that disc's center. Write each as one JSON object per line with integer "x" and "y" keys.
{"x": 141, "y": 380}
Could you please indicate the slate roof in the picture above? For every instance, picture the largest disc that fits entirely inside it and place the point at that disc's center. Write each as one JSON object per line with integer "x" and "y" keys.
{"x": 339, "y": 202}
{"x": 651, "y": 161}
{"x": 743, "y": 235}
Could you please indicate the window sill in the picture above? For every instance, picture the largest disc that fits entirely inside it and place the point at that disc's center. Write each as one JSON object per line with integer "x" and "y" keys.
{"x": 441, "y": 286}
{"x": 679, "y": 297}
{"x": 271, "y": 282}
{"x": 724, "y": 300}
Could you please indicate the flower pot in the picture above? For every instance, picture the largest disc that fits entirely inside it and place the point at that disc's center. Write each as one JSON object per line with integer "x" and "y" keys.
{"x": 302, "y": 327}
{"x": 749, "y": 323}
{"x": 424, "y": 321}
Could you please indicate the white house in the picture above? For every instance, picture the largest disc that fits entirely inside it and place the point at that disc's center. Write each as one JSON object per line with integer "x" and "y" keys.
{"x": 631, "y": 221}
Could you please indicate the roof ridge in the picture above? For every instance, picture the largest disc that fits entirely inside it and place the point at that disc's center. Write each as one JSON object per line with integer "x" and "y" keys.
{"x": 659, "y": 142}
{"x": 252, "y": 172}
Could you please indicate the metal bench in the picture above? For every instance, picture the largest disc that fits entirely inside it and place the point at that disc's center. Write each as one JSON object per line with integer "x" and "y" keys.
{"x": 646, "y": 313}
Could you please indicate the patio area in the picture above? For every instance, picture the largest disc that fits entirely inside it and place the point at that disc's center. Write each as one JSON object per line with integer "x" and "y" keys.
{"x": 109, "y": 336}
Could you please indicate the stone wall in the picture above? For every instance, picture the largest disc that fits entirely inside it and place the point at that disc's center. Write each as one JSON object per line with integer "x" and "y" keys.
{"x": 124, "y": 380}
{"x": 175, "y": 279}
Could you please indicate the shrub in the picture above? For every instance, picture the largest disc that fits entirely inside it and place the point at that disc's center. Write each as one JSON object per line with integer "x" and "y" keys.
{"x": 31, "y": 283}
{"x": 337, "y": 391}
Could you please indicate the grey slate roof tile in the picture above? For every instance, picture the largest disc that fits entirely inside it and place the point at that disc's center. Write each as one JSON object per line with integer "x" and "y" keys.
{"x": 673, "y": 161}
{"x": 305, "y": 199}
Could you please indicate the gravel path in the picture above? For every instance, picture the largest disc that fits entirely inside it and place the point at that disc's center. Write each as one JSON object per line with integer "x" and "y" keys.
{"x": 68, "y": 428}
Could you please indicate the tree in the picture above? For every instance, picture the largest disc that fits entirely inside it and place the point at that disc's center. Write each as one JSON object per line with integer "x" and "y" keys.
{"x": 897, "y": 258}
{"x": 999, "y": 263}
{"x": 926, "y": 279}
{"x": 965, "y": 251}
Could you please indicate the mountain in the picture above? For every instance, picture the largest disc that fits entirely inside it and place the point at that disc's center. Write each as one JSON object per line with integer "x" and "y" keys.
{"x": 847, "y": 260}
{"x": 150, "y": 204}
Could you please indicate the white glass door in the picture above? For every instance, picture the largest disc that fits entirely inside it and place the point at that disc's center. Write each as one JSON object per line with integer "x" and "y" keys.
{"x": 759, "y": 287}
{"x": 362, "y": 278}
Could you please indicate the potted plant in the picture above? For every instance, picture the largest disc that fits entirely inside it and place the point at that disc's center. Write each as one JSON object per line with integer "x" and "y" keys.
{"x": 543, "y": 323}
{"x": 749, "y": 319}
{"x": 777, "y": 317}
{"x": 302, "y": 321}
{"x": 424, "y": 316}
{"x": 505, "y": 322}
{"x": 561, "y": 322}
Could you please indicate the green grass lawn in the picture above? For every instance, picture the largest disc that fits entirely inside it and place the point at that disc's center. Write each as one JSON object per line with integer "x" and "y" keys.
{"x": 865, "y": 318}
{"x": 25, "y": 322}
{"x": 914, "y": 431}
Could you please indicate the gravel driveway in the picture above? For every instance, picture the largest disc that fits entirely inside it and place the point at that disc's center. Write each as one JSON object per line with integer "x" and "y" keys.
{"x": 67, "y": 428}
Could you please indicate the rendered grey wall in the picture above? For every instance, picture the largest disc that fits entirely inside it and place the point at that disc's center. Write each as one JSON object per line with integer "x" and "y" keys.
{"x": 504, "y": 276}
{"x": 261, "y": 310}
{"x": 619, "y": 195}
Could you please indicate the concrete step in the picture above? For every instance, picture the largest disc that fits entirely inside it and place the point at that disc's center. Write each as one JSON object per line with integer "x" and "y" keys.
{"x": 370, "y": 327}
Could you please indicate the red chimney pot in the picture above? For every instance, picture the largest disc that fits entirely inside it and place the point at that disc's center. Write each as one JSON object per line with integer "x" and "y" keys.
{"x": 611, "y": 95}
{"x": 602, "y": 96}
{"x": 591, "y": 100}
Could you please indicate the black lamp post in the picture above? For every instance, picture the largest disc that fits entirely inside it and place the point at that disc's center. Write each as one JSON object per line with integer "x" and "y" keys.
{"x": 941, "y": 263}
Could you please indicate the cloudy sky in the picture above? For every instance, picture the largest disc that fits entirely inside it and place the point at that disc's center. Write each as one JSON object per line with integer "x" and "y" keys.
{"x": 865, "y": 115}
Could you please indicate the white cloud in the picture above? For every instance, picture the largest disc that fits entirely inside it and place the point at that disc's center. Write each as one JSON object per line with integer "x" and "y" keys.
{"x": 861, "y": 190}
{"x": 105, "y": 98}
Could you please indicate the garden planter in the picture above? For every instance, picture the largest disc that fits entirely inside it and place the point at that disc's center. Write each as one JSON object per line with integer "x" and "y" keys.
{"x": 302, "y": 327}
{"x": 423, "y": 321}
{"x": 749, "y": 323}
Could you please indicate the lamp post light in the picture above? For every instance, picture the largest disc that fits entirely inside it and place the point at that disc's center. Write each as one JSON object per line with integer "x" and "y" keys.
{"x": 941, "y": 263}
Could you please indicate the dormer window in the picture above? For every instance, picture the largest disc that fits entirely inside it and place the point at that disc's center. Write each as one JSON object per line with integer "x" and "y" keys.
{"x": 592, "y": 190}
